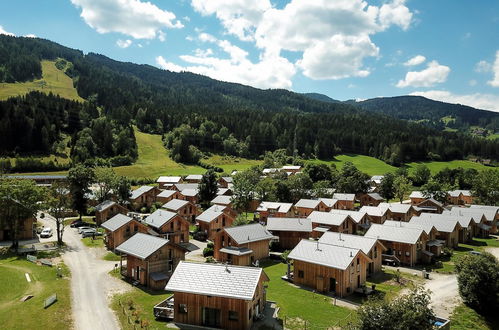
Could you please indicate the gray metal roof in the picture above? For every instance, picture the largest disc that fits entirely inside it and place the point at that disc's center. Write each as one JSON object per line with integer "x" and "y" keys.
{"x": 349, "y": 241}
{"x": 183, "y": 186}
{"x": 289, "y": 224}
{"x": 167, "y": 193}
{"x": 456, "y": 193}
{"x": 211, "y": 214}
{"x": 324, "y": 254}
{"x": 330, "y": 202}
{"x": 291, "y": 167}
{"x": 222, "y": 199}
{"x": 194, "y": 177}
{"x": 416, "y": 194}
{"x": 175, "y": 204}
{"x": 141, "y": 245}
{"x": 327, "y": 218}
{"x": 236, "y": 251}
{"x": 228, "y": 179}
{"x": 279, "y": 207}
{"x": 104, "y": 205}
{"x": 427, "y": 227}
{"x": 376, "y": 196}
{"x": 357, "y": 216}
{"x": 489, "y": 212}
{"x": 116, "y": 222}
{"x": 464, "y": 219}
{"x": 222, "y": 191}
{"x": 441, "y": 222}
{"x": 394, "y": 234}
{"x": 215, "y": 280}
{"x": 159, "y": 217}
{"x": 374, "y": 211}
{"x": 190, "y": 192}
{"x": 307, "y": 203}
{"x": 248, "y": 233}
{"x": 396, "y": 207}
{"x": 139, "y": 191}
{"x": 344, "y": 197}
{"x": 169, "y": 179}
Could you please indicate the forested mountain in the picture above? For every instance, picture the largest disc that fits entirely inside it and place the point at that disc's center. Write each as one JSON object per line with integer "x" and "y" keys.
{"x": 210, "y": 115}
{"x": 320, "y": 97}
{"x": 419, "y": 108}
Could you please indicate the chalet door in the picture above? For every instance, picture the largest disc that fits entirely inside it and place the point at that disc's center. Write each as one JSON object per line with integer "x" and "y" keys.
{"x": 211, "y": 317}
{"x": 332, "y": 284}
{"x": 137, "y": 273}
{"x": 358, "y": 280}
{"x": 319, "y": 284}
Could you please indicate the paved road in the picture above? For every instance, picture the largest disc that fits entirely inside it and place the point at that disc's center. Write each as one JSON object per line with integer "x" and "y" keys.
{"x": 89, "y": 285}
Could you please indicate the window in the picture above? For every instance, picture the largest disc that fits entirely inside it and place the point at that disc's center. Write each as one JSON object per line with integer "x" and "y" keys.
{"x": 375, "y": 252}
{"x": 249, "y": 314}
{"x": 300, "y": 274}
{"x": 182, "y": 308}
{"x": 233, "y": 316}
{"x": 128, "y": 229}
{"x": 135, "y": 228}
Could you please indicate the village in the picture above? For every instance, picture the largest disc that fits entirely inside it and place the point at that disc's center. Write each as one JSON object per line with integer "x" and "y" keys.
{"x": 216, "y": 265}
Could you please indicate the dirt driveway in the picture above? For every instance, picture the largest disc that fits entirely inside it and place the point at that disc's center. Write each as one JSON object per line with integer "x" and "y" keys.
{"x": 444, "y": 293}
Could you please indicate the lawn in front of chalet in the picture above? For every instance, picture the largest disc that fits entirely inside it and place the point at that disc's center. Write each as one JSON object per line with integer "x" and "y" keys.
{"x": 31, "y": 314}
{"x": 295, "y": 303}
{"x": 464, "y": 318}
{"x": 447, "y": 264}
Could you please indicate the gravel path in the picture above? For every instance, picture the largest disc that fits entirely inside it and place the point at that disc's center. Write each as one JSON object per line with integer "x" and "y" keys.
{"x": 444, "y": 293}
{"x": 494, "y": 251}
{"x": 91, "y": 285}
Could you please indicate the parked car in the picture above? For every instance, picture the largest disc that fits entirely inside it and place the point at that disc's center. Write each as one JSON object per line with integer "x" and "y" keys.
{"x": 90, "y": 234}
{"x": 46, "y": 232}
{"x": 82, "y": 228}
{"x": 86, "y": 229}
{"x": 74, "y": 222}
{"x": 81, "y": 224}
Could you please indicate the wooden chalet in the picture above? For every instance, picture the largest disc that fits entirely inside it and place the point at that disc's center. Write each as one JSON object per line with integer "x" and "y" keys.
{"x": 430, "y": 205}
{"x": 222, "y": 200}
{"x": 242, "y": 245}
{"x": 144, "y": 196}
{"x": 376, "y": 214}
{"x": 214, "y": 219}
{"x": 275, "y": 210}
{"x": 108, "y": 209}
{"x": 184, "y": 208}
{"x": 399, "y": 212}
{"x": 169, "y": 225}
{"x": 433, "y": 246}
{"x": 191, "y": 195}
{"x": 120, "y": 228}
{"x": 289, "y": 231}
{"x": 490, "y": 215}
{"x": 167, "y": 195}
{"x": 460, "y": 197}
{"x": 416, "y": 197}
{"x": 404, "y": 245}
{"x": 26, "y": 230}
{"x": 304, "y": 207}
{"x": 327, "y": 221}
{"x": 193, "y": 178}
{"x": 225, "y": 182}
{"x": 370, "y": 199}
{"x": 344, "y": 201}
{"x": 362, "y": 220}
{"x": 291, "y": 169}
{"x": 167, "y": 182}
{"x": 150, "y": 260}
{"x": 217, "y": 296}
{"x": 448, "y": 227}
{"x": 329, "y": 268}
{"x": 370, "y": 246}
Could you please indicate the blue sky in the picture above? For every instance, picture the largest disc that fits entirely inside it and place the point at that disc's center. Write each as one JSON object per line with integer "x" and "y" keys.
{"x": 347, "y": 49}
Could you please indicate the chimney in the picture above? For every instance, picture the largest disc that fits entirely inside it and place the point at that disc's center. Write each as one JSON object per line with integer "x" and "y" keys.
{"x": 351, "y": 255}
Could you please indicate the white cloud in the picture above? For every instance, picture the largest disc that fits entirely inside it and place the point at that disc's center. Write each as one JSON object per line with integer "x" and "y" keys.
{"x": 269, "y": 72}
{"x": 472, "y": 82}
{"x": 31, "y": 35}
{"x": 435, "y": 73}
{"x": 124, "y": 43}
{"x": 206, "y": 37}
{"x": 416, "y": 60}
{"x": 476, "y": 100}
{"x": 140, "y": 20}
{"x": 333, "y": 37}
{"x": 483, "y": 66}
{"x": 2, "y": 31}
{"x": 161, "y": 36}
{"x": 495, "y": 68}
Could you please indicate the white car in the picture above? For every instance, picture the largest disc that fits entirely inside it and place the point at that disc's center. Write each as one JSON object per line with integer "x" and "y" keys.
{"x": 46, "y": 232}
{"x": 80, "y": 229}
{"x": 88, "y": 230}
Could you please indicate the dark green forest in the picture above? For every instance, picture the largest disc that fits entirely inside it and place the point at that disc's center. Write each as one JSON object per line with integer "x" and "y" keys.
{"x": 196, "y": 114}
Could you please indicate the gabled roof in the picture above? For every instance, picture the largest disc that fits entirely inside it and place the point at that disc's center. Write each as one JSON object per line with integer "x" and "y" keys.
{"x": 374, "y": 211}
{"x": 227, "y": 179}
{"x": 279, "y": 207}
{"x": 355, "y": 215}
{"x": 289, "y": 224}
{"x": 116, "y": 222}
{"x": 433, "y": 201}
{"x": 104, "y": 205}
{"x": 377, "y": 178}
{"x": 190, "y": 192}
{"x": 211, "y": 213}
{"x": 344, "y": 197}
{"x": 218, "y": 280}
{"x": 443, "y": 224}
{"x": 416, "y": 194}
{"x": 140, "y": 191}
{"x": 394, "y": 234}
{"x": 222, "y": 199}
{"x": 194, "y": 177}
{"x": 308, "y": 203}
{"x": 324, "y": 254}
{"x": 222, "y": 191}
{"x": 183, "y": 186}
{"x": 327, "y": 218}
{"x": 396, "y": 207}
{"x": 464, "y": 219}
{"x": 270, "y": 170}
{"x": 142, "y": 245}
{"x": 175, "y": 204}
{"x": 489, "y": 211}
{"x": 291, "y": 167}
{"x": 159, "y": 217}
{"x": 349, "y": 241}
{"x": 456, "y": 193}
{"x": 248, "y": 233}
{"x": 330, "y": 202}
{"x": 169, "y": 179}
{"x": 167, "y": 193}
{"x": 427, "y": 227}
{"x": 375, "y": 196}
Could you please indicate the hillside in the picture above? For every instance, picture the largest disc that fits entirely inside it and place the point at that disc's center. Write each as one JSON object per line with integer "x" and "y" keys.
{"x": 196, "y": 115}
{"x": 320, "y": 97}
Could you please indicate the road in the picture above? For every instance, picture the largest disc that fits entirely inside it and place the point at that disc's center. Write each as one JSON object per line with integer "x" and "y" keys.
{"x": 91, "y": 285}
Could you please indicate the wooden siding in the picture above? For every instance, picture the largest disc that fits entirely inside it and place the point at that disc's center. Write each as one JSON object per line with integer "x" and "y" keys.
{"x": 108, "y": 213}
{"x": 120, "y": 235}
{"x": 215, "y": 226}
{"x": 176, "y": 230}
{"x": 289, "y": 239}
{"x": 26, "y": 230}
{"x": 222, "y": 239}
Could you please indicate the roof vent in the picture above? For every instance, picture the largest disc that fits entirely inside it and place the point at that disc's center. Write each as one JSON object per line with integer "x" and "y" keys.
{"x": 351, "y": 255}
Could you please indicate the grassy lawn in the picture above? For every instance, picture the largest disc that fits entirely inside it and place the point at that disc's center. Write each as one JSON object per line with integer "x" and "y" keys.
{"x": 53, "y": 80}
{"x": 30, "y": 314}
{"x": 89, "y": 219}
{"x": 143, "y": 302}
{"x": 97, "y": 242}
{"x": 438, "y": 166}
{"x": 110, "y": 256}
{"x": 464, "y": 318}
{"x": 369, "y": 165}
{"x": 316, "y": 309}
{"x": 230, "y": 163}
{"x": 446, "y": 264}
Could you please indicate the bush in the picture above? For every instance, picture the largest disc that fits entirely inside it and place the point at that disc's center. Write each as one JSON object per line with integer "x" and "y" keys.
{"x": 200, "y": 236}
{"x": 448, "y": 251}
{"x": 31, "y": 164}
{"x": 207, "y": 252}
{"x": 210, "y": 260}
{"x": 121, "y": 160}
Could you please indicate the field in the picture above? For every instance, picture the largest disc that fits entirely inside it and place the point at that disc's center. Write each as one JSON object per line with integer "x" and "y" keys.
{"x": 464, "y": 318}
{"x": 30, "y": 314}
{"x": 369, "y": 165}
{"x": 438, "y": 166}
{"x": 53, "y": 80}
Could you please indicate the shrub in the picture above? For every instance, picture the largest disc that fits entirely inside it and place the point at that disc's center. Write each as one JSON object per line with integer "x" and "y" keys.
{"x": 210, "y": 245}
{"x": 200, "y": 236}
{"x": 207, "y": 252}
{"x": 210, "y": 260}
